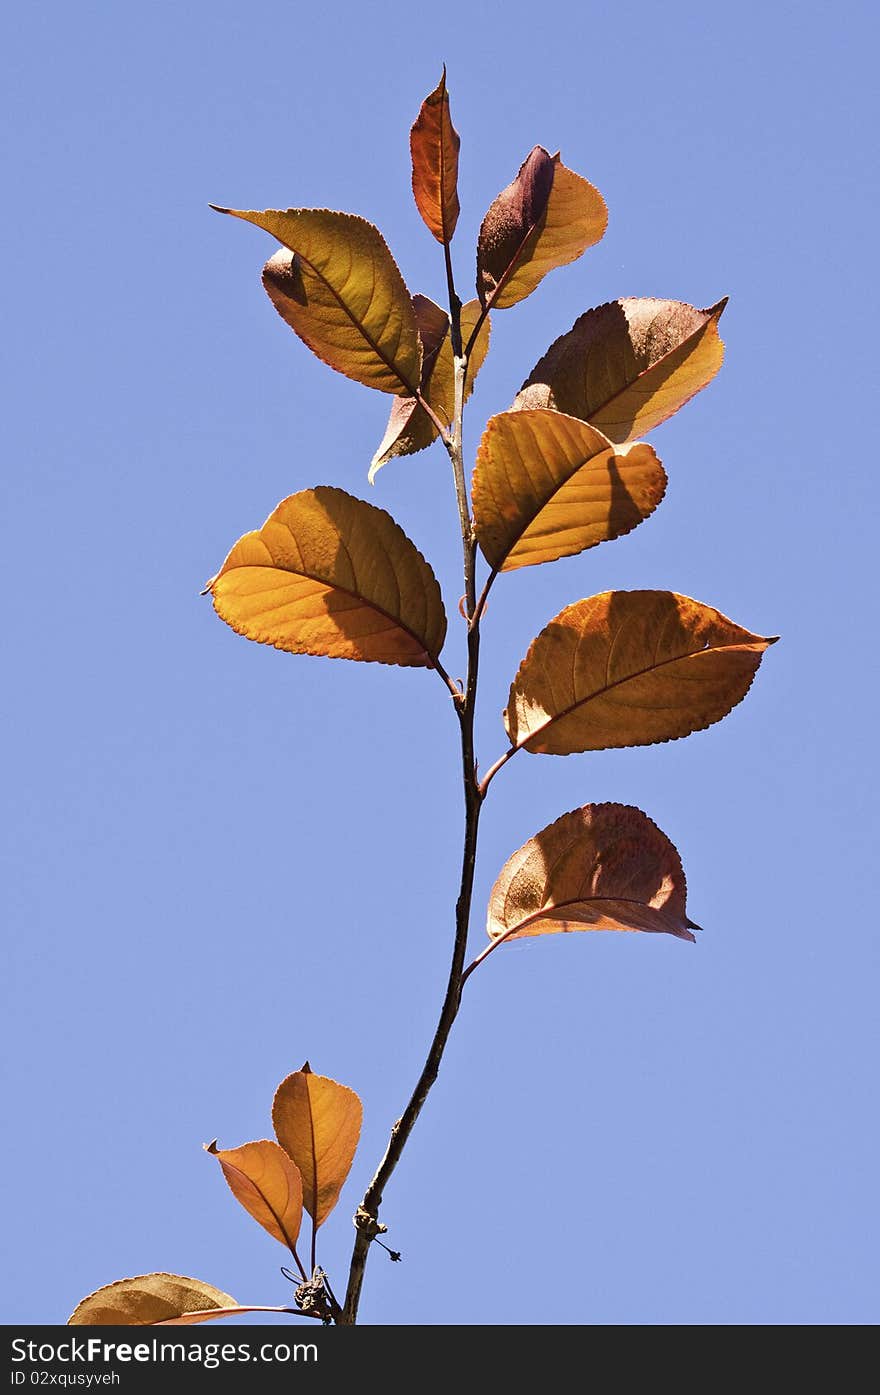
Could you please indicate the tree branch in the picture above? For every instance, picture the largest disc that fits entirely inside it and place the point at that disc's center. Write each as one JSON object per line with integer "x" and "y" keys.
{"x": 367, "y": 1223}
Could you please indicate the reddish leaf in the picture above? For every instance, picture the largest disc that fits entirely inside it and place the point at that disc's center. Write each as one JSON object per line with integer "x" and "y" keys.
{"x": 318, "y": 1123}
{"x": 628, "y": 365}
{"x": 602, "y": 867}
{"x": 546, "y": 218}
{"x": 628, "y": 668}
{"x": 267, "y": 1183}
{"x": 409, "y": 428}
{"x": 434, "y": 145}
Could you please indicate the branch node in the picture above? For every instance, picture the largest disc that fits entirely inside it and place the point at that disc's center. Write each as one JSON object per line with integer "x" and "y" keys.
{"x": 368, "y": 1225}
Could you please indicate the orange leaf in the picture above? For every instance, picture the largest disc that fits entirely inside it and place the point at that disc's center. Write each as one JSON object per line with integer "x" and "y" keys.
{"x": 548, "y": 486}
{"x": 628, "y": 668}
{"x": 434, "y": 145}
{"x": 546, "y": 218}
{"x": 153, "y": 1298}
{"x": 267, "y": 1183}
{"x": 602, "y": 867}
{"x": 409, "y": 428}
{"x": 329, "y": 574}
{"x": 342, "y": 293}
{"x": 628, "y": 365}
{"x": 318, "y": 1122}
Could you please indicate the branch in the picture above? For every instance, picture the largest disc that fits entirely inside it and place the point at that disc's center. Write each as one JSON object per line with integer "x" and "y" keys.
{"x": 367, "y": 1224}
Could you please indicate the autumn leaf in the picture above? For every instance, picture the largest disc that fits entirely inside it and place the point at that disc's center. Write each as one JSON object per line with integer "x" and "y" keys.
{"x": 628, "y": 365}
{"x": 154, "y": 1298}
{"x": 268, "y": 1184}
{"x": 602, "y": 867}
{"x": 342, "y": 293}
{"x": 434, "y": 145}
{"x": 628, "y": 668}
{"x": 409, "y": 428}
{"x": 547, "y": 486}
{"x": 318, "y": 1123}
{"x": 329, "y": 574}
{"x": 546, "y": 218}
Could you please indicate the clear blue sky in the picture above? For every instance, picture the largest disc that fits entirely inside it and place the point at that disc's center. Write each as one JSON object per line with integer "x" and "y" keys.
{"x": 221, "y": 859}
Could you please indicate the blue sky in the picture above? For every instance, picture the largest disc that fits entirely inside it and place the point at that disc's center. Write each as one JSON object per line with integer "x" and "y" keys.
{"x": 221, "y": 860}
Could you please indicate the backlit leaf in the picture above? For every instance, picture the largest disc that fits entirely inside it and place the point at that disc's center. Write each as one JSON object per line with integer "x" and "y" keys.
{"x": 628, "y": 668}
{"x": 628, "y": 365}
{"x": 602, "y": 867}
{"x": 153, "y": 1298}
{"x": 546, "y": 218}
{"x": 318, "y": 1122}
{"x": 342, "y": 293}
{"x": 268, "y": 1184}
{"x": 410, "y": 429}
{"x": 329, "y": 574}
{"x": 547, "y": 486}
{"x": 434, "y": 144}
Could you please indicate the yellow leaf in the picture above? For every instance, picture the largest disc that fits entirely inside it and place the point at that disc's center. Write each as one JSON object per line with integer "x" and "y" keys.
{"x": 409, "y": 428}
{"x": 329, "y": 574}
{"x": 546, "y": 218}
{"x": 602, "y": 867}
{"x": 153, "y": 1298}
{"x": 318, "y": 1122}
{"x": 342, "y": 293}
{"x": 628, "y": 668}
{"x": 434, "y": 144}
{"x": 627, "y": 366}
{"x": 547, "y": 486}
{"x": 267, "y": 1183}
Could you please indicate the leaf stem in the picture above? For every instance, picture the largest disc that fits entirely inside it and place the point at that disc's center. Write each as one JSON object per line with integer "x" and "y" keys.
{"x": 450, "y": 682}
{"x": 493, "y": 769}
{"x": 484, "y": 954}
{"x": 483, "y": 597}
{"x": 366, "y": 1219}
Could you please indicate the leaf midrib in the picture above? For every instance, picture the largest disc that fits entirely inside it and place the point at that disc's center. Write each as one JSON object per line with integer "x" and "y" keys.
{"x": 619, "y": 682}
{"x": 380, "y": 353}
{"x": 511, "y": 930}
{"x": 334, "y": 586}
{"x": 711, "y": 318}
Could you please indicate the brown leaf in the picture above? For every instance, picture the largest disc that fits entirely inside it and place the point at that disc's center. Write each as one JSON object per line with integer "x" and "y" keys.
{"x": 602, "y": 867}
{"x": 628, "y": 365}
{"x": 628, "y": 668}
{"x": 546, "y": 218}
{"x": 329, "y": 574}
{"x": 318, "y": 1122}
{"x": 548, "y": 486}
{"x": 434, "y": 144}
{"x": 409, "y": 428}
{"x": 267, "y": 1183}
{"x": 342, "y": 293}
{"x": 153, "y": 1298}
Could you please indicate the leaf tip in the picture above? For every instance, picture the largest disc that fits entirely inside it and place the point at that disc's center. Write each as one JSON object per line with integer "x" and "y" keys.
{"x": 305, "y": 1068}
{"x": 218, "y": 208}
{"x": 717, "y": 310}
{"x": 772, "y": 639}
{"x": 211, "y": 1147}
